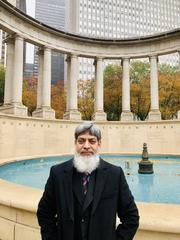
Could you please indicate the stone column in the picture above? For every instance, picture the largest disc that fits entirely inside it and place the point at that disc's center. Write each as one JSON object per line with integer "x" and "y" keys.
{"x": 40, "y": 77}
{"x": 9, "y": 71}
{"x": 99, "y": 114}
{"x": 154, "y": 113}
{"x": 14, "y": 77}
{"x": 38, "y": 110}
{"x": 72, "y": 112}
{"x": 44, "y": 86}
{"x": 68, "y": 69}
{"x": 126, "y": 114}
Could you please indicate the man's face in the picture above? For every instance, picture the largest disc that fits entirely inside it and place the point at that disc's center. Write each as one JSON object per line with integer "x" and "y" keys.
{"x": 87, "y": 145}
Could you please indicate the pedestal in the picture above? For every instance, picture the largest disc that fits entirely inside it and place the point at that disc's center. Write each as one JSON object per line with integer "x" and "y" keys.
{"x": 72, "y": 115}
{"x": 15, "y": 109}
{"x": 154, "y": 115}
{"x": 126, "y": 116}
{"x": 145, "y": 167}
{"x": 99, "y": 116}
{"x": 44, "y": 112}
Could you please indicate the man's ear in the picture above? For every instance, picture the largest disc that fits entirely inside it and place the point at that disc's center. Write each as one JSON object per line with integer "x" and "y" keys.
{"x": 99, "y": 143}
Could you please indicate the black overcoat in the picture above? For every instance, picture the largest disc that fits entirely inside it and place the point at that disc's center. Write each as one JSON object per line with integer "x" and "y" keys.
{"x": 112, "y": 198}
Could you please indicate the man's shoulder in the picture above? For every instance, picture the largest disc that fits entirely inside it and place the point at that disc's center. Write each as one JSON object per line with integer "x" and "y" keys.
{"x": 111, "y": 166}
{"x": 63, "y": 166}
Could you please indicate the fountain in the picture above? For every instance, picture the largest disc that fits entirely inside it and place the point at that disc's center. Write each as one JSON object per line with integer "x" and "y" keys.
{"x": 145, "y": 166}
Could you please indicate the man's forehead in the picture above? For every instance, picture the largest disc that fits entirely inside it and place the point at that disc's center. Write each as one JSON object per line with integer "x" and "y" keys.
{"x": 86, "y": 135}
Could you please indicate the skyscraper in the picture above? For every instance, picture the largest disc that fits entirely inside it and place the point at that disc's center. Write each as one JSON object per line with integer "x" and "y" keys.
{"x": 124, "y": 19}
{"x": 52, "y": 13}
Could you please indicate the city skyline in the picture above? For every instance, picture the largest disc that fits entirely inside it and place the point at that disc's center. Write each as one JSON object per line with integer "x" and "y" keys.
{"x": 31, "y": 11}
{"x": 121, "y": 19}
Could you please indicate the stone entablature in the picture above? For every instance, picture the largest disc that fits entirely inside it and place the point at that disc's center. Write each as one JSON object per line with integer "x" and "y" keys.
{"x": 14, "y": 21}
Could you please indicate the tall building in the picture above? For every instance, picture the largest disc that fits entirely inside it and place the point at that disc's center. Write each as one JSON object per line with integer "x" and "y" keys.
{"x": 124, "y": 19}
{"x": 52, "y": 13}
{"x": 21, "y": 4}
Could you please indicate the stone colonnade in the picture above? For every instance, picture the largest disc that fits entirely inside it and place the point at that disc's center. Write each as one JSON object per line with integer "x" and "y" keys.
{"x": 14, "y": 80}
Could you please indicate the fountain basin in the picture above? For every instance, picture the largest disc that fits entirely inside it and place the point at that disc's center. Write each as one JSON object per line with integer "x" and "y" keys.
{"x": 18, "y": 205}
{"x": 156, "y": 187}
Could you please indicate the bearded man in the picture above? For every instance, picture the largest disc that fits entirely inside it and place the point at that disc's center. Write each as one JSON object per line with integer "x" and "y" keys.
{"x": 83, "y": 196}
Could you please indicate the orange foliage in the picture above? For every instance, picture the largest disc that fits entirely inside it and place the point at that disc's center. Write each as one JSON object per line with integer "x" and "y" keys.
{"x": 169, "y": 94}
{"x": 58, "y": 98}
{"x": 86, "y": 98}
{"x": 140, "y": 98}
{"x": 113, "y": 92}
{"x": 30, "y": 94}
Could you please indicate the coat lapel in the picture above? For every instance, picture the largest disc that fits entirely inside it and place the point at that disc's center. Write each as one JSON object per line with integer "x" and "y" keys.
{"x": 77, "y": 188}
{"x": 67, "y": 182}
{"x": 102, "y": 172}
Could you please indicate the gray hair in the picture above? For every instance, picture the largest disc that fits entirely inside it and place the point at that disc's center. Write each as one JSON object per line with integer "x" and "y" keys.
{"x": 88, "y": 127}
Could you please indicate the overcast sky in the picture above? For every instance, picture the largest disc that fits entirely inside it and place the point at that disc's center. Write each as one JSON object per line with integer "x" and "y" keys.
{"x": 30, "y": 5}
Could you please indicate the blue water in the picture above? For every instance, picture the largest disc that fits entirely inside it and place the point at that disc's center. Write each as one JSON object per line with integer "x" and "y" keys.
{"x": 163, "y": 186}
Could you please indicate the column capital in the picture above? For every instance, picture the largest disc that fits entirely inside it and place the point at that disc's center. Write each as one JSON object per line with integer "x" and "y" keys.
{"x": 40, "y": 51}
{"x": 68, "y": 58}
{"x": 9, "y": 39}
{"x": 73, "y": 55}
{"x": 99, "y": 58}
{"x": 153, "y": 56}
{"x": 126, "y": 58}
{"x": 46, "y": 48}
{"x": 19, "y": 37}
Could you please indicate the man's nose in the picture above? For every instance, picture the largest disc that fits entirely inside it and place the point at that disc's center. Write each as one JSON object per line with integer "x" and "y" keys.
{"x": 86, "y": 144}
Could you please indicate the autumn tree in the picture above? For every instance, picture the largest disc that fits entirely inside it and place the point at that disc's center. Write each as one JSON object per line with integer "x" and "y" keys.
{"x": 58, "y": 98}
{"x": 30, "y": 93}
{"x": 169, "y": 90}
{"x": 86, "y": 98}
{"x": 140, "y": 89}
{"x": 112, "y": 91}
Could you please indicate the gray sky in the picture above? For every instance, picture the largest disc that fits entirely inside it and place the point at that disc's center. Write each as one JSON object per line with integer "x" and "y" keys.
{"x": 30, "y": 4}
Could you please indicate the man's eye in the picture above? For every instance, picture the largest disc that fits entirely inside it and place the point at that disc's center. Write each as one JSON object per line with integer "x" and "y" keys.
{"x": 92, "y": 141}
{"x": 80, "y": 141}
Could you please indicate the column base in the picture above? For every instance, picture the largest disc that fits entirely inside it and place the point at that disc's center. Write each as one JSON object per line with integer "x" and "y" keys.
{"x": 44, "y": 112}
{"x": 126, "y": 116}
{"x": 72, "y": 115}
{"x": 154, "y": 115}
{"x": 178, "y": 114}
{"x": 17, "y": 109}
{"x": 99, "y": 116}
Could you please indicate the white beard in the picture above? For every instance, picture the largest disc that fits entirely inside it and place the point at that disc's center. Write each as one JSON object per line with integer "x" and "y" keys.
{"x": 86, "y": 163}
